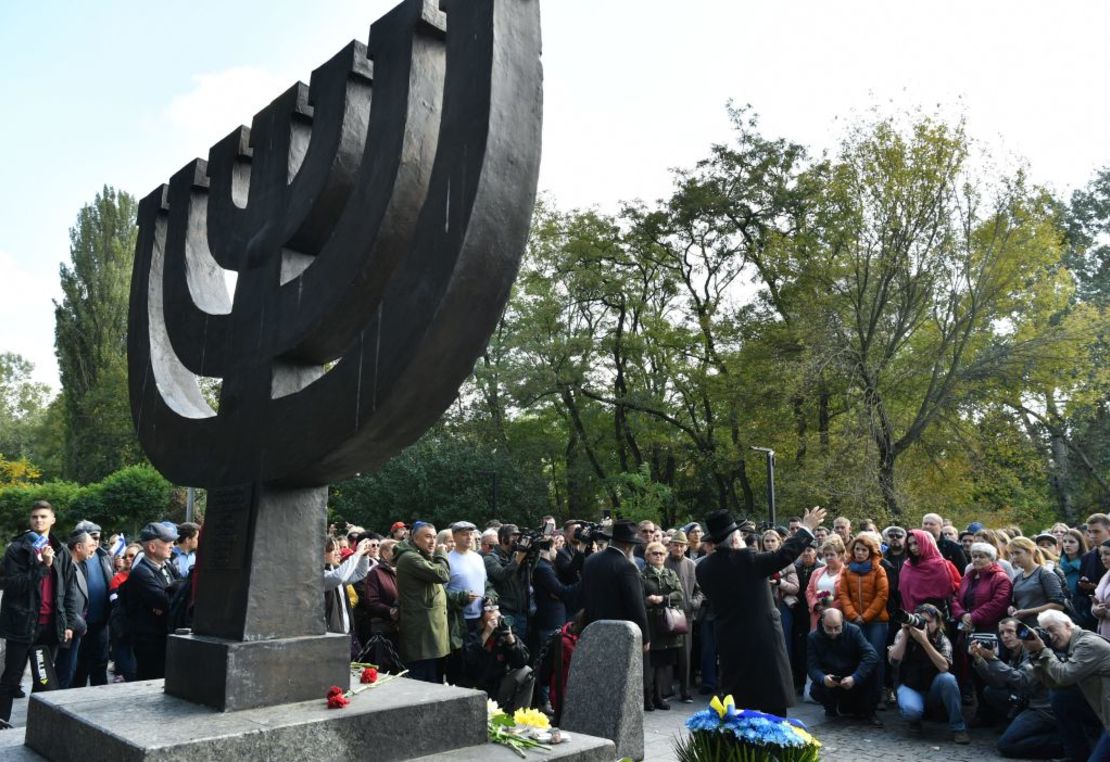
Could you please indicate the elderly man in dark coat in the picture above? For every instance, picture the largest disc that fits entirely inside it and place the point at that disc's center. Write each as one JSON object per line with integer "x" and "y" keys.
{"x": 755, "y": 669}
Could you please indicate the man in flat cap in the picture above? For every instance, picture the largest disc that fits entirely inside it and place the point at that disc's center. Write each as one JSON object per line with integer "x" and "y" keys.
{"x": 148, "y": 599}
{"x": 754, "y": 667}
{"x": 92, "y": 656}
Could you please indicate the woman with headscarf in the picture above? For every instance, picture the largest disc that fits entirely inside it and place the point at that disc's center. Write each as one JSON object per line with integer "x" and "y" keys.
{"x": 926, "y": 577}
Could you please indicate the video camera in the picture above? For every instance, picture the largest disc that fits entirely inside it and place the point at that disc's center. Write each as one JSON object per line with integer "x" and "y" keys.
{"x": 588, "y": 532}
{"x": 986, "y": 640}
{"x": 532, "y": 541}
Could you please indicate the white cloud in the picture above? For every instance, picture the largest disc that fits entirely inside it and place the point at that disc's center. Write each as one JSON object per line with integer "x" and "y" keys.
{"x": 27, "y": 314}
{"x": 218, "y": 103}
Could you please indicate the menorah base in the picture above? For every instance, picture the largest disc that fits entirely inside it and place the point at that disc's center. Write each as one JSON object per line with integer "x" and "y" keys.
{"x": 231, "y": 675}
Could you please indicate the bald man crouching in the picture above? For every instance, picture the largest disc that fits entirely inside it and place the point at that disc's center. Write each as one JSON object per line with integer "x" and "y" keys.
{"x": 841, "y": 664}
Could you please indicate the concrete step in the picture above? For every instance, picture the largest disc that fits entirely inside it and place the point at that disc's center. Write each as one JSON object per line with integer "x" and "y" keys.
{"x": 12, "y": 748}
{"x": 138, "y": 722}
{"x": 580, "y": 748}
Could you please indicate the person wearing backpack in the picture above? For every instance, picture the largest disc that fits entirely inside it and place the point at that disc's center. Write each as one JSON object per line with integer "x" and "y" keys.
{"x": 148, "y": 600}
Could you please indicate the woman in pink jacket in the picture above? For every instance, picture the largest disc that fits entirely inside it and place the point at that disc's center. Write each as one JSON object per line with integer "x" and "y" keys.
{"x": 823, "y": 592}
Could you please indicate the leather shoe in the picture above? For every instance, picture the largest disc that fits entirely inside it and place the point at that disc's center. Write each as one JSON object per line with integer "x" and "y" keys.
{"x": 649, "y": 708}
{"x": 661, "y": 704}
{"x": 687, "y": 699}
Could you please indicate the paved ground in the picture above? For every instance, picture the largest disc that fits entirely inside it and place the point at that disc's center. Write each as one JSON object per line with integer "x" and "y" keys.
{"x": 842, "y": 740}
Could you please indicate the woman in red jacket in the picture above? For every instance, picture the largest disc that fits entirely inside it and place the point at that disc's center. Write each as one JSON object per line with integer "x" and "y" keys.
{"x": 979, "y": 605}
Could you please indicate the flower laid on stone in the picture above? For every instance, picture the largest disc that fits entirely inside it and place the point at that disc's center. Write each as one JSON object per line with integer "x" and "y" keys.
{"x": 337, "y": 698}
{"x": 532, "y": 718}
{"x": 368, "y": 676}
{"x": 505, "y": 730}
{"x": 724, "y": 733}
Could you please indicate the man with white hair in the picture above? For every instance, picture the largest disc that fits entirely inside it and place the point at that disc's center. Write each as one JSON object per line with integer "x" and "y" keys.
{"x": 1085, "y": 664}
{"x": 950, "y": 550}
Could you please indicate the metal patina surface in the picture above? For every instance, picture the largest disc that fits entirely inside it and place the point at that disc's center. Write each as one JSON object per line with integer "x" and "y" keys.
{"x": 374, "y": 221}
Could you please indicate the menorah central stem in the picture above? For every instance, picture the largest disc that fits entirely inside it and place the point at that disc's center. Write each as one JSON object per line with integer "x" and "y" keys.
{"x": 258, "y": 627}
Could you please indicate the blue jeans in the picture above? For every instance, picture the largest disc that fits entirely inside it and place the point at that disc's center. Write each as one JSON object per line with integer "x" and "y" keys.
{"x": 709, "y": 654}
{"x": 1081, "y": 730}
{"x": 875, "y": 633}
{"x": 944, "y": 691}
{"x": 1031, "y": 735}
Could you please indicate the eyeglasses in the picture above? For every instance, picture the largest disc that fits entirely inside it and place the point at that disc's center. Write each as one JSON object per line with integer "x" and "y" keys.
{"x": 658, "y": 553}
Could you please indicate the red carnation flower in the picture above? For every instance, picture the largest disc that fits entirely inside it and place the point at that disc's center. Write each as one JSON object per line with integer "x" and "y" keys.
{"x": 335, "y": 690}
{"x": 369, "y": 675}
{"x": 338, "y": 701}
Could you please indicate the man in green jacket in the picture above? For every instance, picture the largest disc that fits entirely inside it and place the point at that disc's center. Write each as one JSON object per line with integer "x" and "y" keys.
{"x": 1086, "y": 665}
{"x": 422, "y": 572}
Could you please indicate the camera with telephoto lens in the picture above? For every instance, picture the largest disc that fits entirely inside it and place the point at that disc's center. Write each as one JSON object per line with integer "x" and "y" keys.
{"x": 913, "y": 620}
{"x": 986, "y": 640}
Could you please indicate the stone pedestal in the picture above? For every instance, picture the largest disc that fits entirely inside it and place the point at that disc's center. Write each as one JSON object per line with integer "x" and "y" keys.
{"x": 258, "y": 627}
{"x": 232, "y": 675}
{"x": 605, "y": 688}
{"x": 138, "y": 722}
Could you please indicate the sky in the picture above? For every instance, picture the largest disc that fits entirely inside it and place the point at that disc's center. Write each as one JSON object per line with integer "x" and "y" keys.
{"x": 124, "y": 93}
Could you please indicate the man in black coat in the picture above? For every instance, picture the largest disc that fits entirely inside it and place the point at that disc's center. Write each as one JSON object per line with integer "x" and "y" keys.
{"x": 611, "y": 586}
{"x": 755, "y": 669}
{"x": 841, "y": 664}
{"x": 148, "y": 599}
{"x": 39, "y": 607}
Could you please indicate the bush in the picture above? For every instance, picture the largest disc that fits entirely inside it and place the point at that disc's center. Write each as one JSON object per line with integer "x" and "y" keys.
{"x": 123, "y": 501}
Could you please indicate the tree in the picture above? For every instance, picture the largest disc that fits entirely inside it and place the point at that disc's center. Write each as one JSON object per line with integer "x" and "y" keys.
{"x": 22, "y": 405}
{"x": 90, "y": 338}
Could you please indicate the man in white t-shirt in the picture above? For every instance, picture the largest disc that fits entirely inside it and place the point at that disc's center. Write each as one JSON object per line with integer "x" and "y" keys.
{"x": 468, "y": 574}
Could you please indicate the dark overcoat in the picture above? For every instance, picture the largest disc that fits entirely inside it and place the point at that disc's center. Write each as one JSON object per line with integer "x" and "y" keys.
{"x": 611, "y": 589}
{"x": 755, "y": 669}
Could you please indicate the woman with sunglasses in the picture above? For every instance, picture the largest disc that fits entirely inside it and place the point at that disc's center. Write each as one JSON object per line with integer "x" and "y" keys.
{"x": 662, "y": 591}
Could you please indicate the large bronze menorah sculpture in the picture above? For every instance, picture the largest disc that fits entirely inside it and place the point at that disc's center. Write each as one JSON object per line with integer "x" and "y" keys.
{"x": 375, "y": 220}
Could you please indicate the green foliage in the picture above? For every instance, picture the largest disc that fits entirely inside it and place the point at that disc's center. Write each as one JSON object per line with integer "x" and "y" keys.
{"x": 90, "y": 338}
{"x": 15, "y": 503}
{"x": 23, "y": 404}
{"x": 441, "y": 479}
{"x": 123, "y": 501}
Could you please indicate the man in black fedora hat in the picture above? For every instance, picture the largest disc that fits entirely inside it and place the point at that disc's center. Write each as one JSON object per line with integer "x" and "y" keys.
{"x": 755, "y": 669}
{"x": 611, "y": 586}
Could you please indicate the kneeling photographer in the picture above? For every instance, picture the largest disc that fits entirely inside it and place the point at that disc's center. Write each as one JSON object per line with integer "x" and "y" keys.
{"x": 1013, "y": 693}
{"x": 1079, "y": 676}
{"x": 496, "y": 661}
{"x": 922, "y": 655}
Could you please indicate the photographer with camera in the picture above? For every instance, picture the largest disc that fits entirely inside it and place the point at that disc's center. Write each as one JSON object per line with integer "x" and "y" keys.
{"x": 496, "y": 661}
{"x": 1085, "y": 664}
{"x": 922, "y": 654}
{"x": 509, "y": 568}
{"x": 1012, "y": 691}
{"x": 841, "y": 663}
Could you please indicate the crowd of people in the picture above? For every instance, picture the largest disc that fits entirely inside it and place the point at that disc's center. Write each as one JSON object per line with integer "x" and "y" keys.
{"x": 981, "y": 626}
